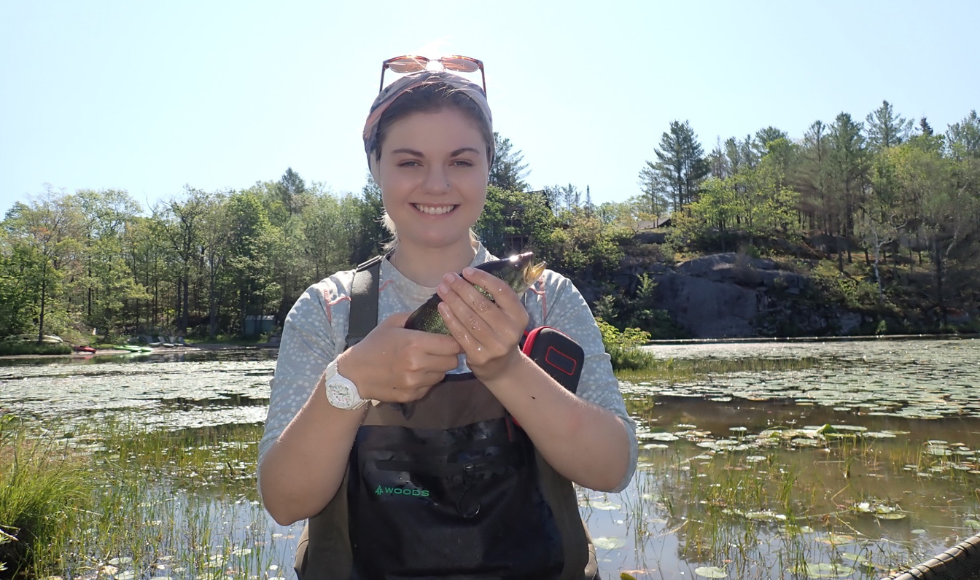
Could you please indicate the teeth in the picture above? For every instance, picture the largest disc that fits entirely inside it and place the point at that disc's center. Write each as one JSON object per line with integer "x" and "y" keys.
{"x": 434, "y": 210}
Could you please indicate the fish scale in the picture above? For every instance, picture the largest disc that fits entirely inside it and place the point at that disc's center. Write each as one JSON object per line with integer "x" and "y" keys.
{"x": 517, "y": 271}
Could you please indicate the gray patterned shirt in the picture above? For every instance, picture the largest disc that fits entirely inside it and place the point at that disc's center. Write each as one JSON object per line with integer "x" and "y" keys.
{"x": 316, "y": 329}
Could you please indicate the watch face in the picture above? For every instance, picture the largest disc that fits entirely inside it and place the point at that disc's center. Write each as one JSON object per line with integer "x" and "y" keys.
{"x": 340, "y": 395}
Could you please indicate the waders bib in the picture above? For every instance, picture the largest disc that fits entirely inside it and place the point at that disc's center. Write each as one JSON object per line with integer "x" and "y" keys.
{"x": 453, "y": 489}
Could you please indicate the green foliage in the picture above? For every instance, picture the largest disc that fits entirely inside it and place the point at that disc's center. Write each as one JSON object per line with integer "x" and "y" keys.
{"x": 623, "y": 347}
{"x": 515, "y": 220}
{"x": 25, "y": 347}
{"x": 674, "y": 179}
{"x": 752, "y": 203}
{"x": 508, "y": 170}
{"x": 201, "y": 261}
{"x": 42, "y": 490}
{"x": 834, "y": 286}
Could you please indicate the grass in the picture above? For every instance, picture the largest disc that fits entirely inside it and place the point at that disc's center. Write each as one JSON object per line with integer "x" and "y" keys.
{"x": 683, "y": 370}
{"x": 118, "y": 501}
{"x": 26, "y": 347}
{"x": 43, "y": 488}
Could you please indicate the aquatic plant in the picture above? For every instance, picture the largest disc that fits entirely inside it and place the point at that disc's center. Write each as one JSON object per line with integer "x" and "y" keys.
{"x": 43, "y": 488}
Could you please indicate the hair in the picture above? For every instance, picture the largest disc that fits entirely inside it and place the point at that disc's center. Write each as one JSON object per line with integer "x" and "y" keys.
{"x": 429, "y": 97}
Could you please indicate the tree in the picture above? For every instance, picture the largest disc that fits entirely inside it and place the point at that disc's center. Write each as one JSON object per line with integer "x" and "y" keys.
{"x": 887, "y": 129}
{"x": 764, "y": 138}
{"x": 677, "y": 174}
{"x": 508, "y": 169}
{"x": 215, "y": 252}
{"x": 883, "y": 215}
{"x": 812, "y": 176}
{"x": 848, "y": 175}
{"x": 49, "y": 228}
{"x": 514, "y": 221}
{"x": 107, "y": 279}
{"x": 181, "y": 223}
{"x": 964, "y": 137}
{"x": 251, "y": 237}
{"x": 291, "y": 189}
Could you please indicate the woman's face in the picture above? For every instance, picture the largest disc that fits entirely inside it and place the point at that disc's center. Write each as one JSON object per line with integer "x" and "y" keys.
{"x": 433, "y": 177}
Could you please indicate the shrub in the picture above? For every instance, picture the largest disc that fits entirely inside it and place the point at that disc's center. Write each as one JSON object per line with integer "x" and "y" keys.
{"x": 623, "y": 347}
{"x": 41, "y": 490}
{"x": 16, "y": 348}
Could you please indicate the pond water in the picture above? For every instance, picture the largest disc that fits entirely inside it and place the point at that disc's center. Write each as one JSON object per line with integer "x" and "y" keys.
{"x": 862, "y": 459}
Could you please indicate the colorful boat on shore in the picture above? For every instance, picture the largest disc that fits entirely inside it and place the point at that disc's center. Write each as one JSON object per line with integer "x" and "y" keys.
{"x": 133, "y": 348}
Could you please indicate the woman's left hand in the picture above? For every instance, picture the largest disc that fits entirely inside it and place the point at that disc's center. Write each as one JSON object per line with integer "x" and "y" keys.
{"x": 489, "y": 331}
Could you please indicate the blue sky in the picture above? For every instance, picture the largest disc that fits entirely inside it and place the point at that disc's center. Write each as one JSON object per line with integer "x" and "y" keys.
{"x": 148, "y": 97}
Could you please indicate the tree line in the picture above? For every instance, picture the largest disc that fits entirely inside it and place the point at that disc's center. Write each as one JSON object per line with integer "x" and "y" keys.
{"x": 201, "y": 262}
{"x": 895, "y": 191}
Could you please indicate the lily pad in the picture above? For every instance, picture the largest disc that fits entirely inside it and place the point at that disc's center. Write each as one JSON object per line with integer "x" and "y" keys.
{"x": 605, "y": 506}
{"x": 972, "y": 524}
{"x": 119, "y": 561}
{"x": 711, "y": 572}
{"x": 604, "y": 543}
{"x": 765, "y": 516}
{"x": 825, "y": 570}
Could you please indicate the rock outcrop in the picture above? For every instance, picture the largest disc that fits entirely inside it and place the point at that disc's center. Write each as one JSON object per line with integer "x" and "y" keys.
{"x": 732, "y": 295}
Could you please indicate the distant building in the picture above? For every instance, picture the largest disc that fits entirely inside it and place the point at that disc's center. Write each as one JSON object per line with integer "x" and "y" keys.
{"x": 259, "y": 324}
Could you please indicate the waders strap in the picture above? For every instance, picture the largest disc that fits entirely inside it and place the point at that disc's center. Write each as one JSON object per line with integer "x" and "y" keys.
{"x": 324, "y": 551}
{"x": 580, "y": 561}
{"x": 364, "y": 295}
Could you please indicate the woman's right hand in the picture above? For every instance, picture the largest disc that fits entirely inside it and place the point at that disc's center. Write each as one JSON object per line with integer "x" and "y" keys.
{"x": 396, "y": 365}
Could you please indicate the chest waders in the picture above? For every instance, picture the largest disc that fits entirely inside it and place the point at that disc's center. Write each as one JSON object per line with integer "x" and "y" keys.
{"x": 453, "y": 490}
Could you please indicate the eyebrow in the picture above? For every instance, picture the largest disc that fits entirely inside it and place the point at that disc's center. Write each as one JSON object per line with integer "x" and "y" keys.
{"x": 420, "y": 154}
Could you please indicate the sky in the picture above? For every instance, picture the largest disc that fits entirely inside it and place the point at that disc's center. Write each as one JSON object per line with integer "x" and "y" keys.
{"x": 149, "y": 97}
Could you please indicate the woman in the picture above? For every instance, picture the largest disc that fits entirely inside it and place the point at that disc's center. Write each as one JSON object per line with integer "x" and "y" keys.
{"x": 455, "y": 490}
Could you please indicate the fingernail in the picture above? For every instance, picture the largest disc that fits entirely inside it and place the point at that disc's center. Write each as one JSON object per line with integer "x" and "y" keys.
{"x": 449, "y": 277}
{"x": 468, "y": 271}
{"x": 443, "y": 288}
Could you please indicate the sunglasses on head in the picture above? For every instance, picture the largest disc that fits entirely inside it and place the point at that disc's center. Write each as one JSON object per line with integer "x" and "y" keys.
{"x": 412, "y": 63}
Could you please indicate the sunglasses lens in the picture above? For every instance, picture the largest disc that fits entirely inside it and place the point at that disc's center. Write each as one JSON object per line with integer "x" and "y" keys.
{"x": 407, "y": 65}
{"x": 459, "y": 64}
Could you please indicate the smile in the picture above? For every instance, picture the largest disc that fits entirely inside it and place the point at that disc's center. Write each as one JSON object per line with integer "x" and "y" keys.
{"x": 434, "y": 209}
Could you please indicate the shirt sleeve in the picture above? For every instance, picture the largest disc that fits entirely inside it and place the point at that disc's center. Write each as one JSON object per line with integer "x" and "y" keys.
{"x": 564, "y": 308}
{"x": 309, "y": 342}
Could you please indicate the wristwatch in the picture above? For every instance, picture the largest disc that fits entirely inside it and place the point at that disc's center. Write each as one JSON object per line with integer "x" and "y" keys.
{"x": 341, "y": 391}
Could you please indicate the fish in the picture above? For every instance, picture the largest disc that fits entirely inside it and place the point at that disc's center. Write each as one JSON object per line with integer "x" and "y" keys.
{"x": 518, "y": 271}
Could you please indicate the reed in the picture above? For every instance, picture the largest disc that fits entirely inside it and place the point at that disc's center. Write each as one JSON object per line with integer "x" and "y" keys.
{"x": 118, "y": 501}
{"x": 44, "y": 488}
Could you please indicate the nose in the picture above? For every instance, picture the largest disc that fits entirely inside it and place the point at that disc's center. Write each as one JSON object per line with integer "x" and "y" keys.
{"x": 436, "y": 180}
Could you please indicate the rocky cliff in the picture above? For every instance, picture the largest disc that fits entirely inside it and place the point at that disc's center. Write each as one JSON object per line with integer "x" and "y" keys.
{"x": 733, "y": 295}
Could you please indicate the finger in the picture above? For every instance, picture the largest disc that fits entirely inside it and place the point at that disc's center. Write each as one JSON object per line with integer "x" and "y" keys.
{"x": 463, "y": 335}
{"x": 439, "y": 344}
{"x": 396, "y": 320}
{"x": 442, "y": 364}
{"x": 458, "y": 296}
{"x": 503, "y": 295}
{"x": 487, "y": 313}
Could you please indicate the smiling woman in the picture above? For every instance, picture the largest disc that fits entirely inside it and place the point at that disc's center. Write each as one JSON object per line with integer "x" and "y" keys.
{"x": 463, "y": 465}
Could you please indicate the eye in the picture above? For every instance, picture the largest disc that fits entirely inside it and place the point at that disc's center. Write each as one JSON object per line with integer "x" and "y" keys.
{"x": 408, "y": 163}
{"x": 463, "y": 162}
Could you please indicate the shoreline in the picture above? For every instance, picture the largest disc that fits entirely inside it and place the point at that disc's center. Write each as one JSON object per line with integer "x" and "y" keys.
{"x": 155, "y": 350}
{"x": 804, "y": 339}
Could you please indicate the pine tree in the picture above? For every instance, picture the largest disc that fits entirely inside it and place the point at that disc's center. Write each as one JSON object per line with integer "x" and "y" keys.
{"x": 679, "y": 170}
{"x": 508, "y": 169}
{"x": 887, "y": 129}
